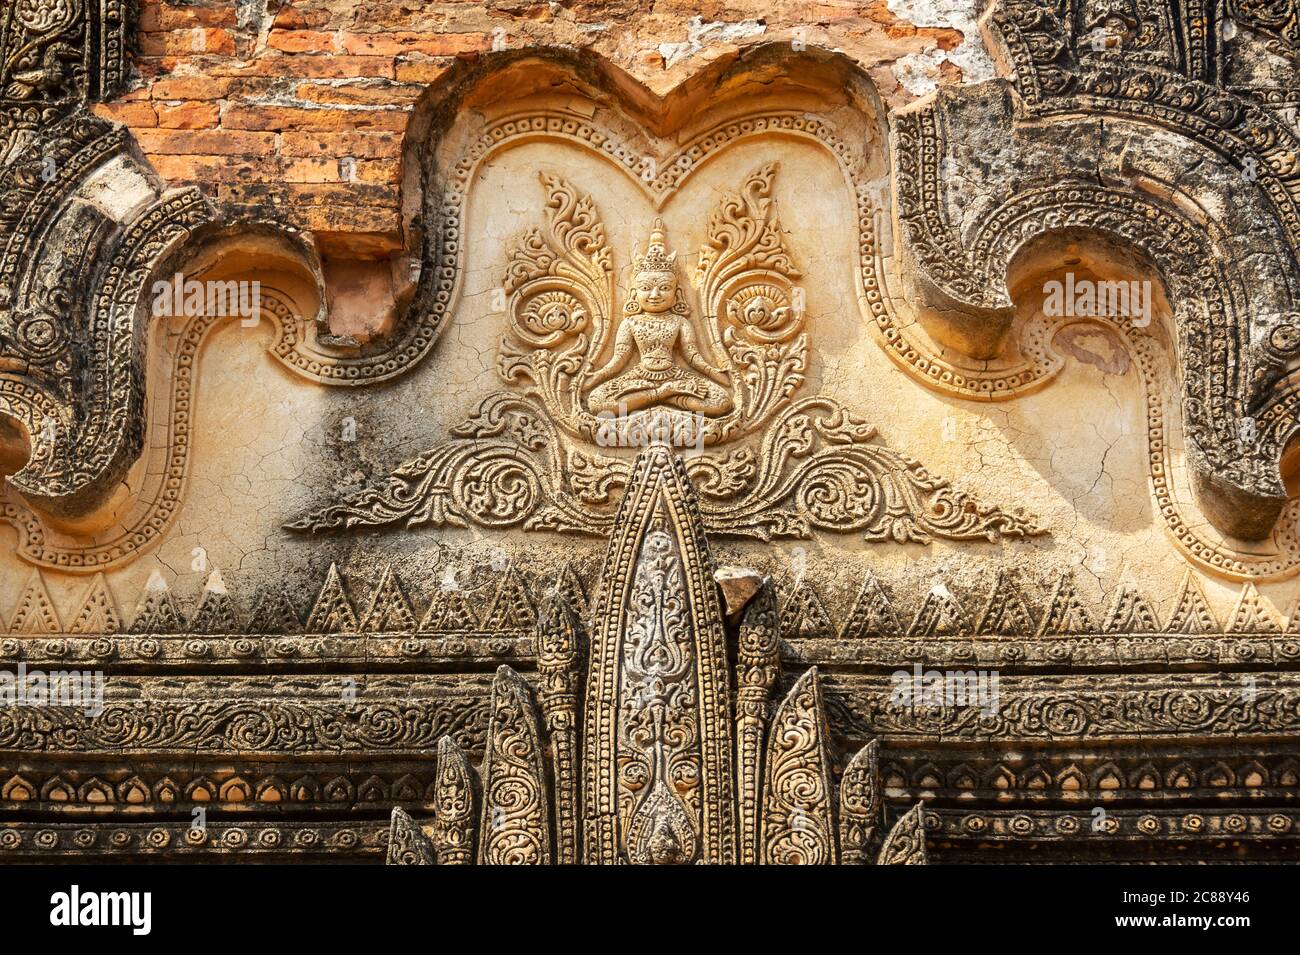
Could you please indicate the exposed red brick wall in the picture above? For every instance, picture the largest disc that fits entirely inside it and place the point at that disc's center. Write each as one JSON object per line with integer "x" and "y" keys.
{"x": 305, "y": 107}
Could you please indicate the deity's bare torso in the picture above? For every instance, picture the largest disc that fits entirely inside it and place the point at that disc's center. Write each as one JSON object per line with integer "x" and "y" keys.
{"x": 656, "y": 326}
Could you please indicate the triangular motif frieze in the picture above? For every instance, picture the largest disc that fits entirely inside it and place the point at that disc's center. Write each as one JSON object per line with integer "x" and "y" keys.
{"x": 1252, "y": 614}
{"x": 1191, "y": 613}
{"x": 215, "y": 613}
{"x": 333, "y": 611}
{"x": 872, "y": 614}
{"x": 804, "y": 614}
{"x": 1131, "y": 613}
{"x": 512, "y": 606}
{"x": 390, "y": 609}
{"x": 35, "y": 613}
{"x": 98, "y": 612}
{"x": 1065, "y": 614}
{"x": 157, "y": 612}
{"x": 451, "y": 611}
{"x": 1005, "y": 612}
{"x": 940, "y": 615}
{"x": 273, "y": 613}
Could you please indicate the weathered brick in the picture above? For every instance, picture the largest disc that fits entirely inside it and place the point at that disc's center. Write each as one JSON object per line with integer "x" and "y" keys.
{"x": 148, "y": 18}
{"x": 420, "y": 71}
{"x": 212, "y": 169}
{"x": 156, "y": 17}
{"x": 213, "y": 142}
{"x": 289, "y": 117}
{"x": 187, "y": 115}
{"x": 395, "y": 44}
{"x": 361, "y": 213}
{"x": 186, "y": 17}
{"x": 133, "y": 114}
{"x": 313, "y": 170}
{"x": 279, "y": 64}
{"x": 293, "y": 18}
{"x": 333, "y": 81}
{"x": 370, "y": 171}
{"x": 358, "y": 94}
{"x": 358, "y": 144}
{"x": 303, "y": 41}
{"x": 182, "y": 42}
{"x": 192, "y": 88}
{"x": 379, "y": 172}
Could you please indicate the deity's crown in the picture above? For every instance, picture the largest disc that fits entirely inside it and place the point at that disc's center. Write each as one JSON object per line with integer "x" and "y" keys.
{"x": 657, "y": 258}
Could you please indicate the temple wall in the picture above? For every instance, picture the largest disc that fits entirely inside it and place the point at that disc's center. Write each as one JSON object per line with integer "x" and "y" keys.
{"x": 363, "y": 543}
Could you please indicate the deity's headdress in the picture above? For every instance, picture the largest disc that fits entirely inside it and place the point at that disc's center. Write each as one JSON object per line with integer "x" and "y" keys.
{"x": 657, "y": 258}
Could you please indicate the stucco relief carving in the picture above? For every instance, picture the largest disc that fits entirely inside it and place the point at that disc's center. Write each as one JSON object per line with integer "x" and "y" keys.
{"x": 598, "y": 365}
{"x": 633, "y": 717}
{"x": 659, "y": 780}
{"x": 657, "y": 360}
{"x": 54, "y": 56}
{"x": 1230, "y": 340}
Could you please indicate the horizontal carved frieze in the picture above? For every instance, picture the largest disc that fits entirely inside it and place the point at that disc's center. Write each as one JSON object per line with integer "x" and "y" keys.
{"x": 108, "y": 782}
{"x": 248, "y": 716}
{"x": 407, "y": 716}
{"x": 333, "y": 841}
{"x": 1067, "y": 708}
{"x": 1155, "y": 774}
{"x": 489, "y": 620}
{"x": 1112, "y": 824}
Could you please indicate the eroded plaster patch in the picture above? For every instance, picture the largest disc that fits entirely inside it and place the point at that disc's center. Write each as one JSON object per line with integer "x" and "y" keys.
{"x": 918, "y": 73}
{"x": 699, "y": 34}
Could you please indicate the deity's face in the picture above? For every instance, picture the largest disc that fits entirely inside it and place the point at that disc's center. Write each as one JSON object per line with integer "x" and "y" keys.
{"x": 655, "y": 292}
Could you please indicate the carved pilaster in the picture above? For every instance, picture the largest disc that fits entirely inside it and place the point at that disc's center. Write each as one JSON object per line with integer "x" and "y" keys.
{"x": 860, "y": 806}
{"x": 758, "y": 663}
{"x": 407, "y": 845}
{"x": 798, "y": 797}
{"x": 559, "y": 634}
{"x": 515, "y": 824}
{"x": 905, "y": 844}
{"x": 453, "y": 830}
{"x": 657, "y": 767}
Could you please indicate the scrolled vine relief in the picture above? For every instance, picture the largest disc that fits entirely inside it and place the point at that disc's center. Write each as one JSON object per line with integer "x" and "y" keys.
{"x": 658, "y": 745}
{"x": 712, "y": 369}
{"x": 717, "y": 372}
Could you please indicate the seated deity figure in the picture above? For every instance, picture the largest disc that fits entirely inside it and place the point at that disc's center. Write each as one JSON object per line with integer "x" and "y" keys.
{"x": 656, "y": 324}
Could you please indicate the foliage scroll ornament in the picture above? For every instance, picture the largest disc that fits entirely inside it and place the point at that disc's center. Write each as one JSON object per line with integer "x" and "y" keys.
{"x": 905, "y": 844}
{"x": 585, "y": 382}
{"x": 1277, "y": 19}
{"x": 657, "y": 778}
{"x": 861, "y": 804}
{"x": 515, "y": 826}
{"x": 799, "y": 796}
{"x": 55, "y": 56}
{"x": 758, "y": 664}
